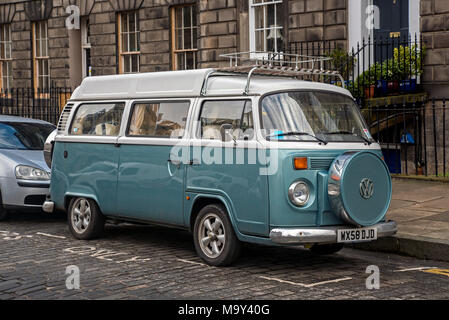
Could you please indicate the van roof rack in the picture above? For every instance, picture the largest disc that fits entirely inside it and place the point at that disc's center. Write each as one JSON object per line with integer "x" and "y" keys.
{"x": 273, "y": 64}
{"x": 273, "y": 59}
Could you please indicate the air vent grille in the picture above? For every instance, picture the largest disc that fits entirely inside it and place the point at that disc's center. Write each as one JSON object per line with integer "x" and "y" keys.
{"x": 62, "y": 124}
{"x": 320, "y": 163}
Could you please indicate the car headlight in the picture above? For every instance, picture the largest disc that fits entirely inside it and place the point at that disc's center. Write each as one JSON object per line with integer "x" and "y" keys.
{"x": 30, "y": 173}
{"x": 299, "y": 193}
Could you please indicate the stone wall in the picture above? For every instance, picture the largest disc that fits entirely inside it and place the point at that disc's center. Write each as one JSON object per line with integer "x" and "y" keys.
{"x": 317, "y": 20}
{"x": 435, "y": 33}
{"x": 218, "y": 31}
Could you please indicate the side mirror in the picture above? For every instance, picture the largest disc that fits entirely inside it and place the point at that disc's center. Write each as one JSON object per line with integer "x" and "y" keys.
{"x": 224, "y": 132}
{"x": 48, "y": 148}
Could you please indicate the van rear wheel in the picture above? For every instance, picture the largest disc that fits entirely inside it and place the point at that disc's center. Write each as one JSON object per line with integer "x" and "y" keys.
{"x": 214, "y": 237}
{"x": 325, "y": 249}
{"x": 85, "y": 220}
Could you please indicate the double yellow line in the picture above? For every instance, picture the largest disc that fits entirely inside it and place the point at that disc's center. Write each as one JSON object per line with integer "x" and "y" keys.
{"x": 443, "y": 272}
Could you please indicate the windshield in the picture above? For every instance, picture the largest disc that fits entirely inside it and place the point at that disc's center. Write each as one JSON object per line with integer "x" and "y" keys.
{"x": 24, "y": 135}
{"x": 312, "y": 116}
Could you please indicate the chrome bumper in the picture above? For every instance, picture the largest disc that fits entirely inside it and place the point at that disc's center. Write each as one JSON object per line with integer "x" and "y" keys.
{"x": 48, "y": 206}
{"x": 323, "y": 234}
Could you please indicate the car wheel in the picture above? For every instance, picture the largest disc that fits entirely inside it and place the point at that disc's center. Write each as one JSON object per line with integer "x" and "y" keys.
{"x": 3, "y": 212}
{"x": 325, "y": 249}
{"x": 214, "y": 237}
{"x": 85, "y": 219}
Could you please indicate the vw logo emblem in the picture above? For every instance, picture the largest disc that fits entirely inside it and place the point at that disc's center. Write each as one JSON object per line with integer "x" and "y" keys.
{"x": 366, "y": 188}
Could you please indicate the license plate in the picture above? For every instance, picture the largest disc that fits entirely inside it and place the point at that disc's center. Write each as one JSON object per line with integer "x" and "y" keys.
{"x": 356, "y": 235}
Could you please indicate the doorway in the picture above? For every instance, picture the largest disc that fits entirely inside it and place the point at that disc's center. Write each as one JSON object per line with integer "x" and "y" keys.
{"x": 394, "y": 19}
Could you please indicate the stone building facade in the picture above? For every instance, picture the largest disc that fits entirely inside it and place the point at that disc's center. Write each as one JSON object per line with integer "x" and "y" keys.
{"x": 43, "y": 43}
{"x": 39, "y": 50}
{"x": 162, "y": 29}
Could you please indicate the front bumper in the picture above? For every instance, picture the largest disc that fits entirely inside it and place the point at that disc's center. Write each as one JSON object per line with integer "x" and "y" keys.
{"x": 22, "y": 193}
{"x": 323, "y": 234}
{"x": 48, "y": 206}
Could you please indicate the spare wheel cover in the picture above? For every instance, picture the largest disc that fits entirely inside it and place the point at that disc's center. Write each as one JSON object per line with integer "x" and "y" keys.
{"x": 359, "y": 188}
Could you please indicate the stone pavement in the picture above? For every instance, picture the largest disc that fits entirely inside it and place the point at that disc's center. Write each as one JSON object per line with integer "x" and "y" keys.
{"x": 421, "y": 209}
{"x": 150, "y": 262}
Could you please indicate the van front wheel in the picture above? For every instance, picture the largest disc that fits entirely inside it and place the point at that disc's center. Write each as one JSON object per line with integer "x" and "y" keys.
{"x": 85, "y": 219}
{"x": 214, "y": 237}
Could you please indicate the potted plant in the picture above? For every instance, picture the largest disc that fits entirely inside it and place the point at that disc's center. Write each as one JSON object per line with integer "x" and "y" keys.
{"x": 368, "y": 80}
{"x": 342, "y": 61}
{"x": 407, "y": 66}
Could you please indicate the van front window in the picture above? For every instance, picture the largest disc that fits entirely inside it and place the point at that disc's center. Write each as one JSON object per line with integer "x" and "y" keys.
{"x": 312, "y": 116}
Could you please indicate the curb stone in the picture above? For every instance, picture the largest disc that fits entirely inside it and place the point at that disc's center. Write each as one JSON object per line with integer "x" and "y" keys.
{"x": 413, "y": 246}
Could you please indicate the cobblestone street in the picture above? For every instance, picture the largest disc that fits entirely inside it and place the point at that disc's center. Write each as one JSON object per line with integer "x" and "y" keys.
{"x": 146, "y": 262}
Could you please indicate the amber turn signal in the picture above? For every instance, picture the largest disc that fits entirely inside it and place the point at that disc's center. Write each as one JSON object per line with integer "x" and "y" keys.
{"x": 301, "y": 163}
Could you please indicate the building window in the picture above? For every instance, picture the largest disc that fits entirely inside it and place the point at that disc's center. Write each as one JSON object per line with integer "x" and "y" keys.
{"x": 266, "y": 25}
{"x": 5, "y": 57}
{"x": 129, "y": 42}
{"x": 41, "y": 59}
{"x": 85, "y": 45}
{"x": 184, "y": 37}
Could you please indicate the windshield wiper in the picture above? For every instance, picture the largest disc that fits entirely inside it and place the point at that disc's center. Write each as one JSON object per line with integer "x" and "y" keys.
{"x": 294, "y": 133}
{"x": 369, "y": 142}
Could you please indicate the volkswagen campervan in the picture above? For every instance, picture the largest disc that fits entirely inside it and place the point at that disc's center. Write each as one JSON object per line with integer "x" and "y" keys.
{"x": 231, "y": 155}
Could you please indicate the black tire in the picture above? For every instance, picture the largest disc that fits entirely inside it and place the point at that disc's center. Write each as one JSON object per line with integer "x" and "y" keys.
{"x": 229, "y": 249}
{"x": 325, "y": 249}
{"x": 3, "y": 211}
{"x": 77, "y": 222}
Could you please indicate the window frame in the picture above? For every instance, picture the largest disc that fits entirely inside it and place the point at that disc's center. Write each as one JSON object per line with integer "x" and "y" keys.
{"x": 125, "y": 54}
{"x": 174, "y": 51}
{"x": 37, "y": 59}
{"x": 75, "y": 110}
{"x": 196, "y": 133}
{"x": 4, "y": 60}
{"x": 280, "y": 5}
{"x": 131, "y": 113}
{"x": 85, "y": 45}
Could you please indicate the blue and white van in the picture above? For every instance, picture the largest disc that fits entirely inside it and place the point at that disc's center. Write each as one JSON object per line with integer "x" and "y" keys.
{"x": 232, "y": 157}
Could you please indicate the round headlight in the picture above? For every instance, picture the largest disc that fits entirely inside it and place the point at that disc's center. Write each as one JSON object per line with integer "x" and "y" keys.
{"x": 299, "y": 193}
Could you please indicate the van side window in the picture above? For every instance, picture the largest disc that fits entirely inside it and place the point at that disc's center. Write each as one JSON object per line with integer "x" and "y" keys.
{"x": 237, "y": 113}
{"x": 161, "y": 119}
{"x": 98, "y": 119}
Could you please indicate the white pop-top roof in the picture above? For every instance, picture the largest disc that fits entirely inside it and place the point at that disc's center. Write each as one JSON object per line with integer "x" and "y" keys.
{"x": 183, "y": 84}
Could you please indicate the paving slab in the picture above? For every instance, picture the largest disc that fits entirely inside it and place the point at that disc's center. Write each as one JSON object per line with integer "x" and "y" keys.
{"x": 421, "y": 209}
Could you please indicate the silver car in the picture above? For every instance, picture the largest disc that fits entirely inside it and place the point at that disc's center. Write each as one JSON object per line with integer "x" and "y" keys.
{"x": 24, "y": 174}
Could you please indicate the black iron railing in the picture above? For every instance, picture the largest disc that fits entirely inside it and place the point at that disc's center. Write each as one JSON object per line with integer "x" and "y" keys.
{"x": 37, "y": 104}
{"x": 374, "y": 68}
{"x": 412, "y": 135}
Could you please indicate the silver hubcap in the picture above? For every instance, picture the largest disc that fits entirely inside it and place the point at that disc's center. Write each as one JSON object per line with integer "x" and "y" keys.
{"x": 81, "y": 215}
{"x": 211, "y": 235}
